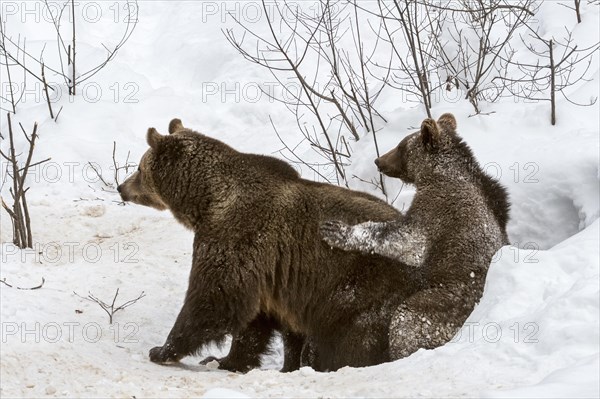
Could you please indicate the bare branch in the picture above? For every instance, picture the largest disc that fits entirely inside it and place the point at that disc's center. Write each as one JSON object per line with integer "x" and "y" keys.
{"x": 3, "y": 281}
{"x": 111, "y": 309}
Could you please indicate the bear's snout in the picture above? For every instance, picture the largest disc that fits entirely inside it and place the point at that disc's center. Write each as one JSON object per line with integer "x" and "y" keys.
{"x": 123, "y": 192}
{"x": 380, "y": 165}
{"x": 120, "y": 189}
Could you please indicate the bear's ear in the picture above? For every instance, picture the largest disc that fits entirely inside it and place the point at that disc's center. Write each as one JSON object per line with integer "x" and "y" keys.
{"x": 430, "y": 134}
{"x": 153, "y": 137}
{"x": 447, "y": 122}
{"x": 175, "y": 125}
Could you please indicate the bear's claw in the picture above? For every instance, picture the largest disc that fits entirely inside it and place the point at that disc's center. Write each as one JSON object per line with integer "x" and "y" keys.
{"x": 335, "y": 233}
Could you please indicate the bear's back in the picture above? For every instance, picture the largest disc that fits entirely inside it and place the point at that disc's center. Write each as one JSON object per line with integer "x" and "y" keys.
{"x": 464, "y": 230}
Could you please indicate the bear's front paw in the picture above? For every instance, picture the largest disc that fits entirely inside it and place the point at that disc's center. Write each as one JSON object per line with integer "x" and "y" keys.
{"x": 162, "y": 354}
{"x": 336, "y": 233}
{"x": 229, "y": 364}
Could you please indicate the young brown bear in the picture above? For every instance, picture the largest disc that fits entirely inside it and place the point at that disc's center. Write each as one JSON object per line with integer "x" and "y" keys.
{"x": 456, "y": 222}
{"x": 259, "y": 263}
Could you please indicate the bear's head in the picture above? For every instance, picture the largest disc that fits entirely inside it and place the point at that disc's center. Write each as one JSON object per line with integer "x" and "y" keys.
{"x": 420, "y": 155}
{"x": 185, "y": 172}
{"x": 141, "y": 187}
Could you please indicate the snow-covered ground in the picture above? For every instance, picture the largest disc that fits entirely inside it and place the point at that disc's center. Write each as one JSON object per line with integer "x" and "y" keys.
{"x": 535, "y": 332}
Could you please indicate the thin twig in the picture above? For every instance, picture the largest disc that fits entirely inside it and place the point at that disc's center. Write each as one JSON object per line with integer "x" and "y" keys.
{"x": 3, "y": 281}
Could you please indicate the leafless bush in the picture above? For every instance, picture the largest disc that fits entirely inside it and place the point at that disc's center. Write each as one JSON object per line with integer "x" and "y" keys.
{"x": 19, "y": 212}
{"x": 407, "y": 30}
{"x": 15, "y": 53}
{"x": 336, "y": 103}
{"x": 473, "y": 39}
{"x": 556, "y": 67}
{"x": 111, "y": 308}
{"x": 419, "y": 47}
{"x": 70, "y": 73}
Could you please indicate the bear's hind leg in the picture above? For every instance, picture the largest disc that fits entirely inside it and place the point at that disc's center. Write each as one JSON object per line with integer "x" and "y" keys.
{"x": 293, "y": 344}
{"x": 247, "y": 346}
{"x": 430, "y": 318}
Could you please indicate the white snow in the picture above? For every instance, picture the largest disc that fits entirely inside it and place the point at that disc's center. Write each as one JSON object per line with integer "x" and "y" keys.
{"x": 535, "y": 332}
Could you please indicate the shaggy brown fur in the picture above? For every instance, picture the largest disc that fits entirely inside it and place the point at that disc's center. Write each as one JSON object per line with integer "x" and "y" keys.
{"x": 456, "y": 222}
{"x": 259, "y": 262}
{"x": 247, "y": 346}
